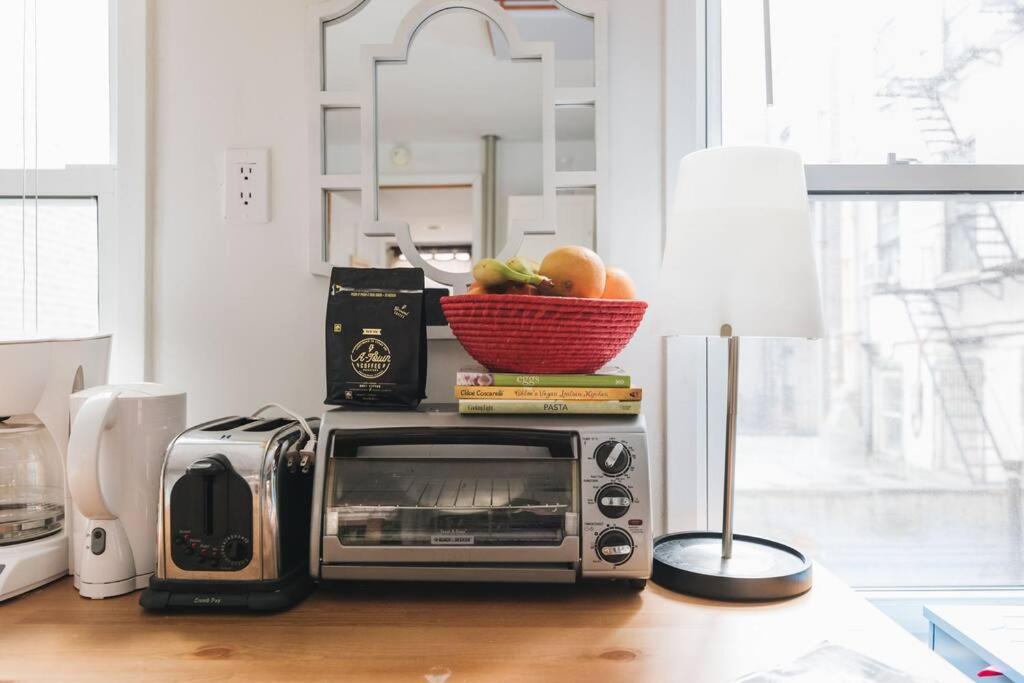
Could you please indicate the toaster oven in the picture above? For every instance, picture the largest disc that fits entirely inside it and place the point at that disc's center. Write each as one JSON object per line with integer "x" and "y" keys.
{"x": 432, "y": 495}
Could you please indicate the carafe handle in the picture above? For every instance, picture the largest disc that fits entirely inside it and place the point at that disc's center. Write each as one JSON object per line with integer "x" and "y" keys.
{"x": 96, "y": 415}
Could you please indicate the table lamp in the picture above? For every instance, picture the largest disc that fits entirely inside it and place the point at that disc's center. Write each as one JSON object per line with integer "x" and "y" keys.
{"x": 738, "y": 262}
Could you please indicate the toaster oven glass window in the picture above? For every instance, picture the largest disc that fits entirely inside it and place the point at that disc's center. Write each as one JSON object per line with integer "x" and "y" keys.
{"x": 452, "y": 501}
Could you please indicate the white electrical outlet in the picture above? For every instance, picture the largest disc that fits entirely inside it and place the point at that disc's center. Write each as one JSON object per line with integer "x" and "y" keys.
{"x": 246, "y": 185}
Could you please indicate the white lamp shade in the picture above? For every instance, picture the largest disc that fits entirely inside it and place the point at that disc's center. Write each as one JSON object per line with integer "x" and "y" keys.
{"x": 738, "y": 250}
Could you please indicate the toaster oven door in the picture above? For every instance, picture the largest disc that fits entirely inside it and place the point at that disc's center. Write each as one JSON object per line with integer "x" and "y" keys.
{"x": 457, "y": 499}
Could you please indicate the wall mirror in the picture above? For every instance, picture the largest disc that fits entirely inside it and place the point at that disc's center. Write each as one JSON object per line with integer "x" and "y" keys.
{"x": 449, "y": 130}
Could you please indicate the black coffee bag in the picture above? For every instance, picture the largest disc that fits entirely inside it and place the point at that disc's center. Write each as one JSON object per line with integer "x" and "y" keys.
{"x": 376, "y": 338}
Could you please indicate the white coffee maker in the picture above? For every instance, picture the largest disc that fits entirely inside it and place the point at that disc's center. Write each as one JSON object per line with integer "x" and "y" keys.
{"x": 119, "y": 436}
{"x": 36, "y": 379}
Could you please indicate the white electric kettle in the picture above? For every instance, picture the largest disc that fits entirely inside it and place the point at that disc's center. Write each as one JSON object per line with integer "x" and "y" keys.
{"x": 119, "y": 435}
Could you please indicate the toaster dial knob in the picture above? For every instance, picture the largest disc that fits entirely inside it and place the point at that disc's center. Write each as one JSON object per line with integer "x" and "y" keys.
{"x": 613, "y": 500}
{"x": 236, "y": 549}
{"x": 614, "y": 546}
{"x": 612, "y": 457}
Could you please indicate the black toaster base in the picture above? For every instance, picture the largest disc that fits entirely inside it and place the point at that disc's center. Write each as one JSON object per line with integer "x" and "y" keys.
{"x": 259, "y": 596}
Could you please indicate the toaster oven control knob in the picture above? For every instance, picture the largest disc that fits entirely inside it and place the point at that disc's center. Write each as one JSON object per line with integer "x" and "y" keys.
{"x": 236, "y": 549}
{"x": 612, "y": 457}
{"x": 614, "y": 546}
{"x": 613, "y": 500}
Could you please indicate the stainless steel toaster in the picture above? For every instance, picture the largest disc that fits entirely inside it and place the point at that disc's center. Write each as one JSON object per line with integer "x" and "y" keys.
{"x": 432, "y": 495}
{"x": 234, "y": 516}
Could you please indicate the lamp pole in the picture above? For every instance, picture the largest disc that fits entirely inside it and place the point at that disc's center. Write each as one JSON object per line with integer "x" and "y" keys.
{"x": 730, "y": 440}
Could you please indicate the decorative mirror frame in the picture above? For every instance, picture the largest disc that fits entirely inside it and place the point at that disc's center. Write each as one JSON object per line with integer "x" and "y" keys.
{"x": 365, "y": 100}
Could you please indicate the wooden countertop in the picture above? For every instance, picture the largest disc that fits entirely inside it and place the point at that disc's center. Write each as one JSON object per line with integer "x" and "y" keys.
{"x": 445, "y": 633}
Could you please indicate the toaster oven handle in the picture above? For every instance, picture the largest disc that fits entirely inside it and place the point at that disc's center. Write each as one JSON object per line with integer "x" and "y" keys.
{"x": 346, "y": 443}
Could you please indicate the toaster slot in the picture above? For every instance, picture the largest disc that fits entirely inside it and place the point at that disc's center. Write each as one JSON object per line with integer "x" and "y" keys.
{"x": 228, "y": 425}
{"x": 269, "y": 425}
{"x": 208, "y": 505}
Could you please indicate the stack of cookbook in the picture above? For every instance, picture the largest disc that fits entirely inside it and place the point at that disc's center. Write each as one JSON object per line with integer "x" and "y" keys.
{"x": 606, "y": 392}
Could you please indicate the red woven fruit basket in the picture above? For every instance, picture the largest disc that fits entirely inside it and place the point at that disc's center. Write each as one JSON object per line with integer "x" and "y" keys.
{"x": 542, "y": 334}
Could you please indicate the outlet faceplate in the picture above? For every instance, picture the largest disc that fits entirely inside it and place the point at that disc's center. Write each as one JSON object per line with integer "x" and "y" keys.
{"x": 246, "y": 185}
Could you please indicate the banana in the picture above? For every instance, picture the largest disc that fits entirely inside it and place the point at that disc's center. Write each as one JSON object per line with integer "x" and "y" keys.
{"x": 524, "y": 265}
{"x": 491, "y": 272}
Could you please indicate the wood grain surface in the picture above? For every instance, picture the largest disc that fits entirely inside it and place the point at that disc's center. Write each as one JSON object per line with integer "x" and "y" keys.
{"x": 446, "y": 633}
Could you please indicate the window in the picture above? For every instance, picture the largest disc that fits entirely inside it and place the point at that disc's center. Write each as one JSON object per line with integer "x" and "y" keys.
{"x": 48, "y": 283}
{"x": 891, "y": 450}
{"x": 928, "y": 81}
{"x": 55, "y": 165}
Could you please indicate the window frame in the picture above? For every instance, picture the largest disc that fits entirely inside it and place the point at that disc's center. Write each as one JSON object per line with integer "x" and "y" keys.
{"x": 78, "y": 182}
{"x": 696, "y": 395}
{"x": 120, "y": 190}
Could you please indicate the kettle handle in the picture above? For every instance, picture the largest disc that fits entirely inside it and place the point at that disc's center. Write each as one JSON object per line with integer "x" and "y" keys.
{"x": 96, "y": 415}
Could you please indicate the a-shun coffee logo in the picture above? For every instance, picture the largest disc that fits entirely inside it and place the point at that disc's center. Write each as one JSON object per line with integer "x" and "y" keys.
{"x": 370, "y": 357}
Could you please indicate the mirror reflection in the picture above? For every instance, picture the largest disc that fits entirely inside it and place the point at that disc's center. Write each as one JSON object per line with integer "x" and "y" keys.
{"x": 575, "y": 217}
{"x": 575, "y": 148}
{"x": 571, "y": 34}
{"x": 459, "y": 132}
{"x": 341, "y": 140}
{"x": 372, "y": 22}
{"x": 442, "y": 227}
{"x": 460, "y": 105}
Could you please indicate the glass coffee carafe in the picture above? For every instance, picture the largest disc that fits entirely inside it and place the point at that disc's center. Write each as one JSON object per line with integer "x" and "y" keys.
{"x": 31, "y": 482}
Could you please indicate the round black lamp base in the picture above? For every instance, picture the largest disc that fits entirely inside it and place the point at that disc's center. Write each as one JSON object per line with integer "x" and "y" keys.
{"x": 759, "y": 569}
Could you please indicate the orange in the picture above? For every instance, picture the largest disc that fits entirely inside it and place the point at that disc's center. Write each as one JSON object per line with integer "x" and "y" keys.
{"x": 574, "y": 271}
{"x": 618, "y": 284}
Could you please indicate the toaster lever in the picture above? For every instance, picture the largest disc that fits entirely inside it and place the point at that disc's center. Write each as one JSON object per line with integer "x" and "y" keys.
{"x": 209, "y": 467}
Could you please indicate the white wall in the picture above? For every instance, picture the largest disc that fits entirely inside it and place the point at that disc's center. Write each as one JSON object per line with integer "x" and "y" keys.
{"x": 237, "y": 318}
{"x": 637, "y": 208}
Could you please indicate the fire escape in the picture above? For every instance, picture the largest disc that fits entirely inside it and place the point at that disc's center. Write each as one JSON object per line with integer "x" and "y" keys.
{"x": 994, "y": 256}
